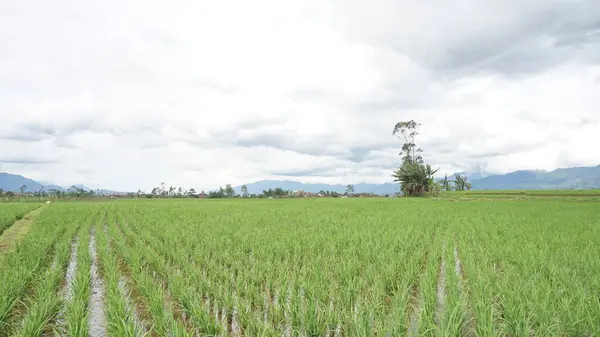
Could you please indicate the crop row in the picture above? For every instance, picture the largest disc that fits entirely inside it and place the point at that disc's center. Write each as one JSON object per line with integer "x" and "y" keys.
{"x": 370, "y": 267}
{"x": 305, "y": 268}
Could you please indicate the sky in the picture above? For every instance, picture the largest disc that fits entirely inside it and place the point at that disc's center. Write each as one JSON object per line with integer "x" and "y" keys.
{"x": 128, "y": 94}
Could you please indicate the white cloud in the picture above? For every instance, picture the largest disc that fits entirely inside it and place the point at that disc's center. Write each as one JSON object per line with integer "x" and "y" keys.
{"x": 127, "y": 94}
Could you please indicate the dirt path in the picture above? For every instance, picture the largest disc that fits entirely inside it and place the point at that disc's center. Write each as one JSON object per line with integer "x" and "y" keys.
{"x": 18, "y": 230}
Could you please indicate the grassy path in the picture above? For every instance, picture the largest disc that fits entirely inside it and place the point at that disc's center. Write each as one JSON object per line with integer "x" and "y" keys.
{"x": 18, "y": 230}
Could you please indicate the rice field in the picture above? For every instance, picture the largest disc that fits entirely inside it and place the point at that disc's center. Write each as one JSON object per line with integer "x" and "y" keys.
{"x": 306, "y": 267}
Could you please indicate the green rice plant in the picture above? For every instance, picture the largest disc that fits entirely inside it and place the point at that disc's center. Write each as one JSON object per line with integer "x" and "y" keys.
{"x": 327, "y": 267}
{"x": 43, "y": 305}
{"x": 75, "y": 315}
{"x": 30, "y": 259}
{"x": 119, "y": 315}
{"x": 150, "y": 291}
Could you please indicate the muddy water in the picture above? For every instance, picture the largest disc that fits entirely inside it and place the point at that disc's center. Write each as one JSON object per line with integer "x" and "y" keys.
{"x": 139, "y": 324}
{"x": 441, "y": 290}
{"x": 458, "y": 268}
{"x": 67, "y": 290}
{"x": 413, "y": 327}
{"x": 336, "y": 330}
{"x": 469, "y": 328}
{"x": 302, "y": 317}
{"x": 286, "y": 313}
{"x": 71, "y": 269}
{"x": 97, "y": 318}
{"x": 235, "y": 326}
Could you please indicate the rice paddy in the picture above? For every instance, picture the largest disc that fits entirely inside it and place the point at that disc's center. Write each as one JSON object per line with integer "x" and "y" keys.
{"x": 305, "y": 267}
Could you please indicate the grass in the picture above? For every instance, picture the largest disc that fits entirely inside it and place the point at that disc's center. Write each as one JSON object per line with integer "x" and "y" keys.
{"x": 327, "y": 267}
{"x": 10, "y": 213}
{"x": 17, "y": 229}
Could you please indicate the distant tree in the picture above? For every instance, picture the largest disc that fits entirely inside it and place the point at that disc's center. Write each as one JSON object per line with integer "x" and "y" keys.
{"x": 445, "y": 183}
{"x": 268, "y": 193}
{"x": 279, "y": 192}
{"x": 229, "y": 191}
{"x": 192, "y": 192}
{"x": 460, "y": 182}
{"x": 217, "y": 194}
{"x": 407, "y": 131}
{"x": 244, "y": 190}
{"x": 414, "y": 176}
{"x": 349, "y": 189}
{"x": 23, "y": 188}
{"x": 1, "y": 192}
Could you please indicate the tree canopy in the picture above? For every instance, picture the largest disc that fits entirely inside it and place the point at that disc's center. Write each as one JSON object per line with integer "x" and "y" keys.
{"x": 414, "y": 175}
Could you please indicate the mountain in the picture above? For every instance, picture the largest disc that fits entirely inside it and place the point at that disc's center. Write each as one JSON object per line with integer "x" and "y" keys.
{"x": 13, "y": 182}
{"x": 563, "y": 178}
{"x": 259, "y": 186}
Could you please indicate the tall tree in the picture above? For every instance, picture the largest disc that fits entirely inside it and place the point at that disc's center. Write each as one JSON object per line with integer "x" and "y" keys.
{"x": 460, "y": 182}
{"x": 23, "y": 188}
{"x": 407, "y": 131}
{"x": 229, "y": 191}
{"x": 414, "y": 176}
{"x": 244, "y": 190}
{"x": 349, "y": 189}
{"x": 446, "y": 183}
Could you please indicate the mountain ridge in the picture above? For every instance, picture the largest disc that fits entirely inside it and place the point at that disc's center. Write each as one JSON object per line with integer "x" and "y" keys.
{"x": 13, "y": 183}
{"x": 581, "y": 177}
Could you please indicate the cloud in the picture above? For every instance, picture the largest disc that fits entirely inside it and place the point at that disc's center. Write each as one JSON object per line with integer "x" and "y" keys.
{"x": 24, "y": 161}
{"x": 506, "y": 37}
{"x": 124, "y": 95}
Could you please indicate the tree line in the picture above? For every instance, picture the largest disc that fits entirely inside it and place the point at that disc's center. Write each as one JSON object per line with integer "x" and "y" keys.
{"x": 228, "y": 191}
{"x": 71, "y": 192}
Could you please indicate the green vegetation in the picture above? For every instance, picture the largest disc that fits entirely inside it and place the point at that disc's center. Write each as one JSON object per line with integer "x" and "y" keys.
{"x": 414, "y": 175}
{"x": 9, "y": 213}
{"x": 353, "y": 267}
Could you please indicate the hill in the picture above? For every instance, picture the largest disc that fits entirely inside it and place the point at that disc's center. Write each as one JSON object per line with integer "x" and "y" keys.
{"x": 563, "y": 178}
{"x": 13, "y": 183}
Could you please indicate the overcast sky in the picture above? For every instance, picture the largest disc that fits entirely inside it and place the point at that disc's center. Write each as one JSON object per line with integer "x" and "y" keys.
{"x": 130, "y": 93}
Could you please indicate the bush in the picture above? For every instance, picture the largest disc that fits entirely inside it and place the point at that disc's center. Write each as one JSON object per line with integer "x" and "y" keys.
{"x": 434, "y": 189}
